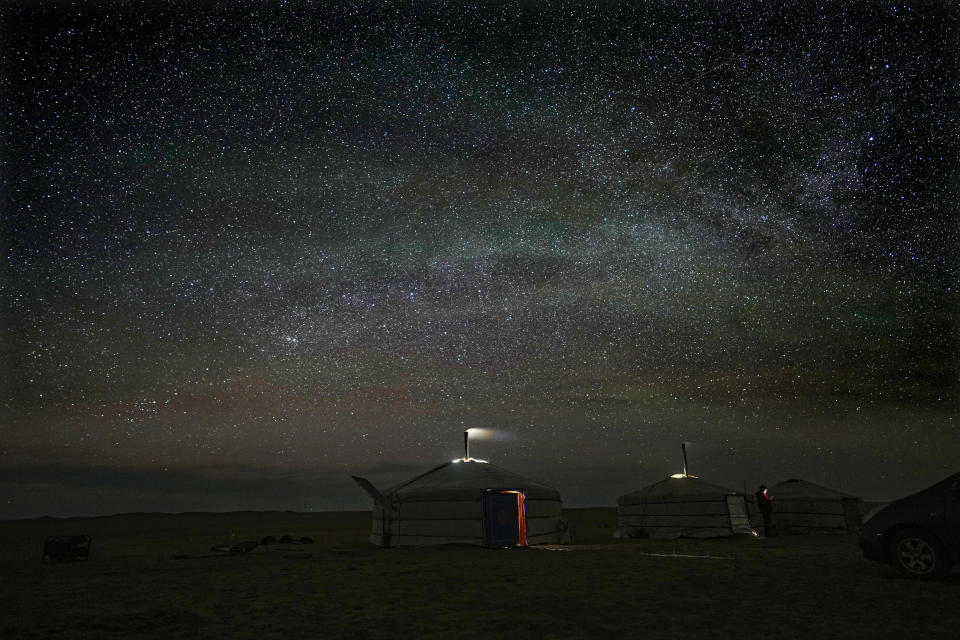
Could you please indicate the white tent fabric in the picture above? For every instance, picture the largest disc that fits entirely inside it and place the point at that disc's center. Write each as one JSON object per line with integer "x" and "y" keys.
{"x": 804, "y": 507}
{"x": 445, "y": 505}
{"x": 682, "y": 506}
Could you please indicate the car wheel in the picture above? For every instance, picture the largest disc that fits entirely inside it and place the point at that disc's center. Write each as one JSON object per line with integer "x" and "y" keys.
{"x": 918, "y": 554}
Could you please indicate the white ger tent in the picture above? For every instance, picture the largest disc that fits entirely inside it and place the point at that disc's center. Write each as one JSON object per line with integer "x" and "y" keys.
{"x": 804, "y": 507}
{"x": 466, "y": 501}
{"x": 682, "y": 506}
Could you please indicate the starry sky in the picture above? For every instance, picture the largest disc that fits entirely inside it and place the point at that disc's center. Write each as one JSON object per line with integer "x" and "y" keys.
{"x": 251, "y": 249}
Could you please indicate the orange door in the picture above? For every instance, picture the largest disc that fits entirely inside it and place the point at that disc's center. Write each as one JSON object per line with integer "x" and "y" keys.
{"x": 504, "y": 518}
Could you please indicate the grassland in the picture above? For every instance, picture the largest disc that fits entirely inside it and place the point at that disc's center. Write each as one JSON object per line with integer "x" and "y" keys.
{"x": 340, "y": 587}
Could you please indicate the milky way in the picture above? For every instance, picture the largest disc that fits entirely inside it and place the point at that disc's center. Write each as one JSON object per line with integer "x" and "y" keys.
{"x": 250, "y": 250}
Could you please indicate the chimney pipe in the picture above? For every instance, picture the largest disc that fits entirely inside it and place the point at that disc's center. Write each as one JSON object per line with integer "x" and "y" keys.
{"x": 466, "y": 445}
{"x": 683, "y": 445}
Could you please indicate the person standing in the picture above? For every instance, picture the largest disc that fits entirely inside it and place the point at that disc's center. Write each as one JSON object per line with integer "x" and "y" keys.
{"x": 765, "y": 503}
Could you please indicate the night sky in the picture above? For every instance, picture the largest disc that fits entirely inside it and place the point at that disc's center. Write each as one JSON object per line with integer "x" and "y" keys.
{"x": 252, "y": 249}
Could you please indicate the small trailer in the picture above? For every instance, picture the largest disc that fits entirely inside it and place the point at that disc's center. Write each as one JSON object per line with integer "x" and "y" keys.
{"x": 66, "y": 548}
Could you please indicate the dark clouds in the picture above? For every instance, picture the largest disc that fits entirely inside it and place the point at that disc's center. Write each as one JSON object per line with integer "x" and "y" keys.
{"x": 317, "y": 238}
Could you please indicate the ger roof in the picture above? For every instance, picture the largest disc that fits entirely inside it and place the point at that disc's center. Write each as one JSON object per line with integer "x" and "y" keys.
{"x": 795, "y": 488}
{"x": 677, "y": 489}
{"x": 453, "y": 480}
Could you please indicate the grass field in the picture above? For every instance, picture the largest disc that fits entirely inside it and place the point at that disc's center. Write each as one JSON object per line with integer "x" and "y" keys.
{"x": 340, "y": 587}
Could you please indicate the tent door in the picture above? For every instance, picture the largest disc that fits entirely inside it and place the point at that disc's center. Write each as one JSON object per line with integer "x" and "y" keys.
{"x": 387, "y": 527}
{"x": 504, "y": 518}
{"x": 851, "y": 512}
{"x": 737, "y": 507}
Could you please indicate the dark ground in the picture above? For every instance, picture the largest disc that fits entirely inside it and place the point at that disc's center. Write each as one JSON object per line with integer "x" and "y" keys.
{"x": 133, "y": 587}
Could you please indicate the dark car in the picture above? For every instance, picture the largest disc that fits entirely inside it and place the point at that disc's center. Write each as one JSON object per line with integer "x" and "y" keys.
{"x": 919, "y": 534}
